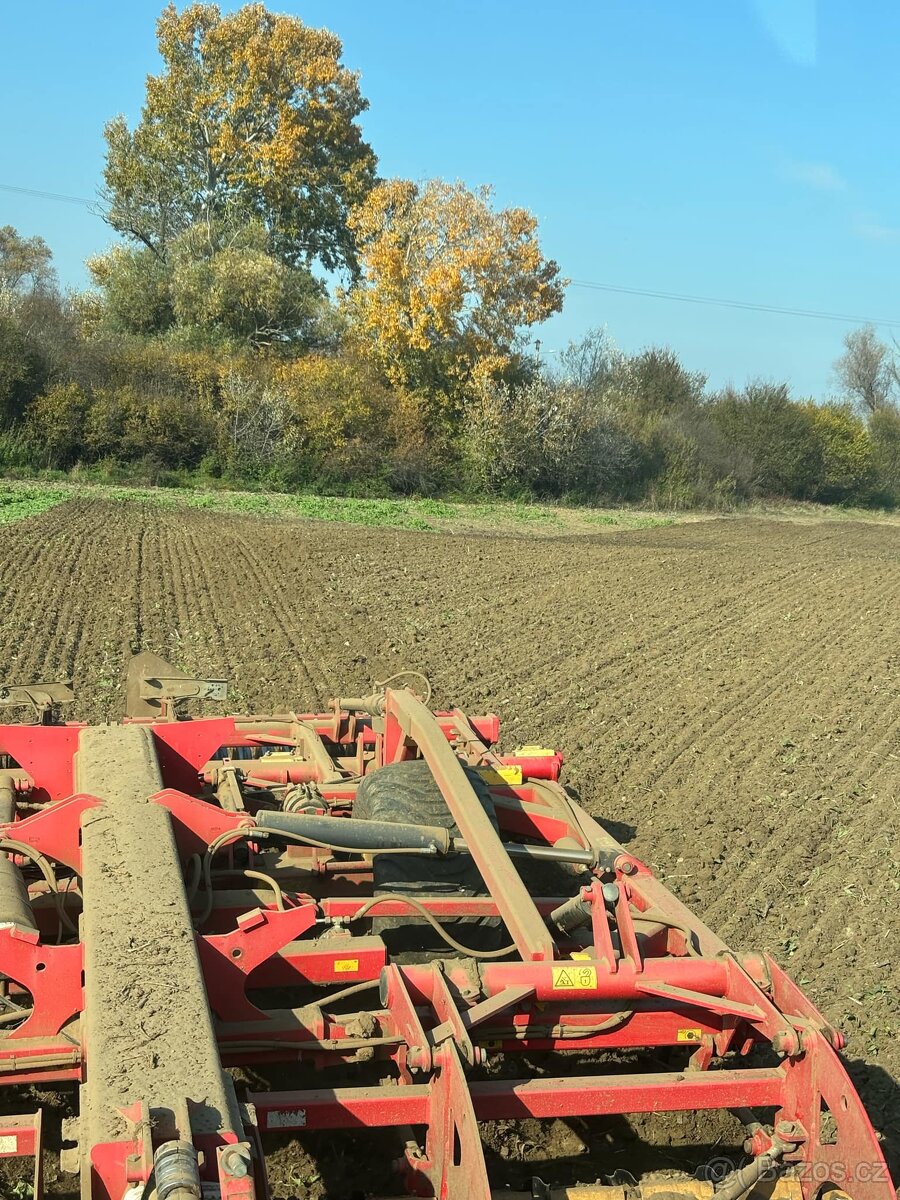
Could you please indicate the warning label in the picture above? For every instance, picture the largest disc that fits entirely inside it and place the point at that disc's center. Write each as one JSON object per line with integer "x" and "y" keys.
{"x": 286, "y": 1118}
{"x": 346, "y": 966}
{"x": 689, "y": 1035}
{"x": 575, "y": 978}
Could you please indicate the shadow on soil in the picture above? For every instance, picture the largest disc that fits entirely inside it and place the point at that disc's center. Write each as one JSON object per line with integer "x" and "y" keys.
{"x": 620, "y": 830}
{"x": 880, "y": 1093}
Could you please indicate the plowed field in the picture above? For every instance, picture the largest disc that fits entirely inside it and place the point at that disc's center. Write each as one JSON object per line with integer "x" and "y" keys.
{"x": 727, "y": 692}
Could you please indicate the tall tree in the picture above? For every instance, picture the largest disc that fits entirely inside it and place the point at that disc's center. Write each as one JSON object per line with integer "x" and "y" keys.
{"x": 253, "y": 116}
{"x": 866, "y": 371}
{"x": 448, "y": 278}
{"x": 25, "y": 263}
{"x": 35, "y": 329}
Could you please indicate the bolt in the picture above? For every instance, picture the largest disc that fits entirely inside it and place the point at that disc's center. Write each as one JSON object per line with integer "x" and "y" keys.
{"x": 234, "y": 1163}
{"x": 789, "y": 1130}
{"x": 417, "y": 1059}
{"x": 785, "y": 1042}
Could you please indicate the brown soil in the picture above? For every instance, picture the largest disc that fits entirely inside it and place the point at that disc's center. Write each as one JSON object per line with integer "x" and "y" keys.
{"x": 726, "y": 693}
{"x": 146, "y": 1016}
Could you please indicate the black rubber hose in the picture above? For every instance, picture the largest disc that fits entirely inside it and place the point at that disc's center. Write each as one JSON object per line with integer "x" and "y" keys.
{"x": 358, "y": 834}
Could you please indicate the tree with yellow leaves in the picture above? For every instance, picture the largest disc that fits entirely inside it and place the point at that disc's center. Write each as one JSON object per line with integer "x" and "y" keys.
{"x": 253, "y": 117}
{"x": 447, "y": 280}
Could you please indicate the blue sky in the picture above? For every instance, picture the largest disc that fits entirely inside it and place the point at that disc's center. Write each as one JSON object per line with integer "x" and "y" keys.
{"x": 742, "y": 149}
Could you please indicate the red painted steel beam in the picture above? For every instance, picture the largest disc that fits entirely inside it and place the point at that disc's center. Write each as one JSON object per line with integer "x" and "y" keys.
{"x": 46, "y": 753}
{"x": 589, "y": 1095}
{"x": 320, "y": 961}
{"x": 606, "y": 1095}
{"x": 585, "y": 980}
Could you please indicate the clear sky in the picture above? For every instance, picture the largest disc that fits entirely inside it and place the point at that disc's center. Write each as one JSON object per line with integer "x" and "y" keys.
{"x": 737, "y": 149}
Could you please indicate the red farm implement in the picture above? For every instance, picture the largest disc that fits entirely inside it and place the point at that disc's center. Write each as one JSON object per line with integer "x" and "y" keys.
{"x": 368, "y": 893}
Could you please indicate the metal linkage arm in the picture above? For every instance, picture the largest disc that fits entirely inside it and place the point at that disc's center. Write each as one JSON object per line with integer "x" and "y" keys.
{"x": 406, "y": 717}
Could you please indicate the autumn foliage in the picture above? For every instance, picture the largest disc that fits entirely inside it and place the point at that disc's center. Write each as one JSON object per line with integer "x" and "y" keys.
{"x": 445, "y": 275}
{"x": 271, "y": 311}
{"x": 253, "y": 117}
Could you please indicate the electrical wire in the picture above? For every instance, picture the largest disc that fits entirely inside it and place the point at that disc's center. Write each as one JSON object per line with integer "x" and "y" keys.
{"x": 195, "y": 866}
{"x": 267, "y": 879}
{"x": 436, "y": 925}
{"x": 577, "y": 1031}
{"x": 253, "y": 831}
{"x": 744, "y": 305}
{"x": 589, "y": 284}
{"x": 347, "y": 992}
{"x": 217, "y": 844}
{"x": 564, "y": 1032}
{"x": 27, "y": 191}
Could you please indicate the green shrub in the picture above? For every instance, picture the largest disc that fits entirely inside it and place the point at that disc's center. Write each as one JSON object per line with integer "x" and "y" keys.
{"x": 779, "y": 439}
{"x": 126, "y": 425}
{"x": 56, "y": 422}
{"x": 847, "y": 464}
{"x": 884, "y": 430}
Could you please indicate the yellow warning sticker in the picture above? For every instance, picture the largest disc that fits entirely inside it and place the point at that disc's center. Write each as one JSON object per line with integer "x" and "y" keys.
{"x": 495, "y": 776}
{"x": 346, "y": 966}
{"x": 574, "y": 978}
{"x": 689, "y": 1035}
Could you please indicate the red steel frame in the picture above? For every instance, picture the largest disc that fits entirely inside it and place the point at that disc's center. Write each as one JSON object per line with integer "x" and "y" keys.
{"x": 648, "y": 974}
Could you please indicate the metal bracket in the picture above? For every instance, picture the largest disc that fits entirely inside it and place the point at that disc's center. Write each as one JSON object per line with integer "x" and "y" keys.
{"x": 176, "y": 687}
{"x": 154, "y": 687}
{"x": 453, "y": 1161}
{"x": 21, "y": 1137}
{"x": 42, "y": 697}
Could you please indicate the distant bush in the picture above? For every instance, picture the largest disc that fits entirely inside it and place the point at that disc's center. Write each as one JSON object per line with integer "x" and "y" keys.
{"x": 230, "y": 364}
{"x": 552, "y": 437}
{"x": 884, "y": 430}
{"x": 56, "y": 425}
{"x": 847, "y": 469}
{"x": 777, "y": 437}
{"x": 126, "y": 424}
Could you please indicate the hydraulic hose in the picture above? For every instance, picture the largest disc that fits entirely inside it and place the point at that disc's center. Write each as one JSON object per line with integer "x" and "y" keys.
{"x": 358, "y": 835}
{"x": 372, "y": 837}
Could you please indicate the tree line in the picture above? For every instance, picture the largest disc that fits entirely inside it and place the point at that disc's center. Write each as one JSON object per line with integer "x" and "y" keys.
{"x": 275, "y": 312}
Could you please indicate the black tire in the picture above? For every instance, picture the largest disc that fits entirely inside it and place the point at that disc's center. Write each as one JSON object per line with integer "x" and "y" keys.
{"x": 407, "y": 792}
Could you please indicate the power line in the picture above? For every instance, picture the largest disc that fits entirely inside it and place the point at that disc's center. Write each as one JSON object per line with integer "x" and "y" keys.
{"x": 742, "y": 304}
{"x": 25, "y": 191}
{"x": 591, "y": 285}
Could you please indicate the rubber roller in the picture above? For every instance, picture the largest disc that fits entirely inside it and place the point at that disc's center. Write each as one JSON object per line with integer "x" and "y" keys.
{"x": 15, "y": 908}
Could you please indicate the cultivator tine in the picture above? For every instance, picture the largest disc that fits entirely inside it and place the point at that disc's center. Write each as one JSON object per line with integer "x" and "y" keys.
{"x": 43, "y": 698}
{"x": 185, "y": 896}
{"x": 153, "y": 688}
